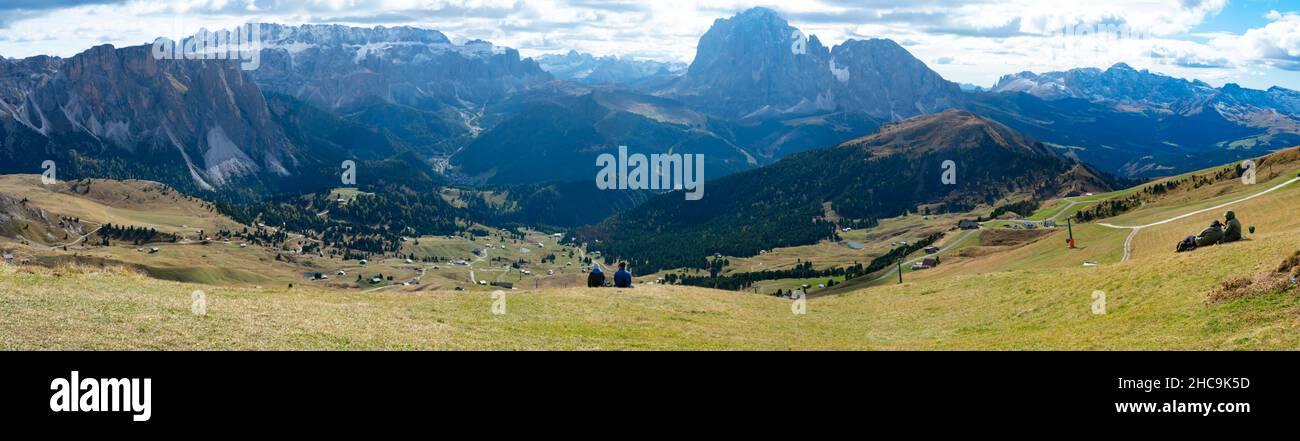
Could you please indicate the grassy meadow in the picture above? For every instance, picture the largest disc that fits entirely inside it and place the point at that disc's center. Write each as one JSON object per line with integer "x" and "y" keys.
{"x": 997, "y": 289}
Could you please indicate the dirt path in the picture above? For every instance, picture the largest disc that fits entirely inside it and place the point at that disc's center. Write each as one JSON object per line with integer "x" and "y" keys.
{"x": 1128, "y": 243}
{"x": 474, "y": 280}
{"x": 1064, "y": 210}
{"x": 79, "y": 239}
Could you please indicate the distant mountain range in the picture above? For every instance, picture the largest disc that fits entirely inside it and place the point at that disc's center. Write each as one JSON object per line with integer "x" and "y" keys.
{"x": 415, "y": 82}
{"x": 801, "y": 199}
{"x": 586, "y": 68}
{"x": 418, "y": 110}
{"x": 558, "y": 139}
{"x": 1139, "y": 123}
{"x": 201, "y": 126}
{"x": 748, "y": 99}
{"x": 1125, "y": 88}
{"x": 339, "y": 67}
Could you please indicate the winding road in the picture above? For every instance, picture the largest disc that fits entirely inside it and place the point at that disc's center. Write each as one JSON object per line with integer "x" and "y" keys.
{"x": 1065, "y": 210}
{"x": 1128, "y": 242}
{"x": 51, "y": 247}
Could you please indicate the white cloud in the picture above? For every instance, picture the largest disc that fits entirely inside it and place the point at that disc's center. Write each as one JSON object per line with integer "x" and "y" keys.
{"x": 1276, "y": 44}
{"x": 1154, "y": 17}
{"x": 979, "y": 40}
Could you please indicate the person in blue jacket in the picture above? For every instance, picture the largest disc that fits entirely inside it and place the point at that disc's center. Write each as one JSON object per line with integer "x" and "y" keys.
{"x": 622, "y": 278}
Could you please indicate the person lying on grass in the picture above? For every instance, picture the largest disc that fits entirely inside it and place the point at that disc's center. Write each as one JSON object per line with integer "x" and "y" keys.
{"x": 1209, "y": 236}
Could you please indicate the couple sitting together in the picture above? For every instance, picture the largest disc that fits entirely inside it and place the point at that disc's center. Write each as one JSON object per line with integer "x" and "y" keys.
{"x": 1216, "y": 233}
{"x": 622, "y": 278}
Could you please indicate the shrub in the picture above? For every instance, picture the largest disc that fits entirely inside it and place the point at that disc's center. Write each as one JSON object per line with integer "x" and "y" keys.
{"x": 1274, "y": 282}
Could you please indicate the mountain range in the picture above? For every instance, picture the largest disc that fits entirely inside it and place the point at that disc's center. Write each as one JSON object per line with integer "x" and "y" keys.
{"x": 586, "y": 68}
{"x": 1140, "y": 123}
{"x": 1125, "y": 88}
{"x": 415, "y": 82}
{"x": 109, "y": 108}
{"x": 418, "y": 110}
{"x": 200, "y": 126}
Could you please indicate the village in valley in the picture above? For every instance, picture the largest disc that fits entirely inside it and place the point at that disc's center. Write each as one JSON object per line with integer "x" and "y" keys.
{"x": 170, "y": 236}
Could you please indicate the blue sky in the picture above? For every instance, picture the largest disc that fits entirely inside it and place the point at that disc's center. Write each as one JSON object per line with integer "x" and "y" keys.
{"x": 1255, "y": 43}
{"x": 1242, "y": 15}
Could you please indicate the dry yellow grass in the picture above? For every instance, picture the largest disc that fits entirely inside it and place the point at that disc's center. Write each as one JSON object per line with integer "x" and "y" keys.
{"x": 1034, "y": 296}
{"x": 138, "y": 203}
{"x": 1148, "y": 307}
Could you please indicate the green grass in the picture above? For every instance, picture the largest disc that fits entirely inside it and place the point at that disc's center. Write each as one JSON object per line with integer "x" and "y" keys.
{"x": 1049, "y": 212}
{"x": 1028, "y": 296}
{"x": 348, "y": 193}
{"x": 1063, "y": 210}
{"x": 1150, "y": 306}
{"x": 770, "y": 286}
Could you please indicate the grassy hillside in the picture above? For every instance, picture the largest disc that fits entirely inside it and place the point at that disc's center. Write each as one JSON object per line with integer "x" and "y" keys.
{"x": 30, "y": 231}
{"x": 800, "y": 199}
{"x": 139, "y": 203}
{"x": 997, "y": 289}
{"x": 1147, "y": 308}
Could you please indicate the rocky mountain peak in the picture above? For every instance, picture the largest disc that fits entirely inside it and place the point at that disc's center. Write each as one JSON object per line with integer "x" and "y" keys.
{"x": 756, "y": 65}
{"x": 206, "y": 115}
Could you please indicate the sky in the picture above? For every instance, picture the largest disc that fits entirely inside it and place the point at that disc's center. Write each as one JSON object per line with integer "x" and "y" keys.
{"x": 1254, "y": 43}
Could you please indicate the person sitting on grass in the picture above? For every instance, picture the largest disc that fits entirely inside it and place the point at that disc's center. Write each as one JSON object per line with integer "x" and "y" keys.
{"x": 597, "y": 278}
{"x": 622, "y": 278}
{"x": 1232, "y": 232}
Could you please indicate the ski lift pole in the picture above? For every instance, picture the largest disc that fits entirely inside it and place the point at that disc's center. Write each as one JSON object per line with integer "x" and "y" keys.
{"x": 900, "y": 270}
{"x": 1069, "y": 226}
